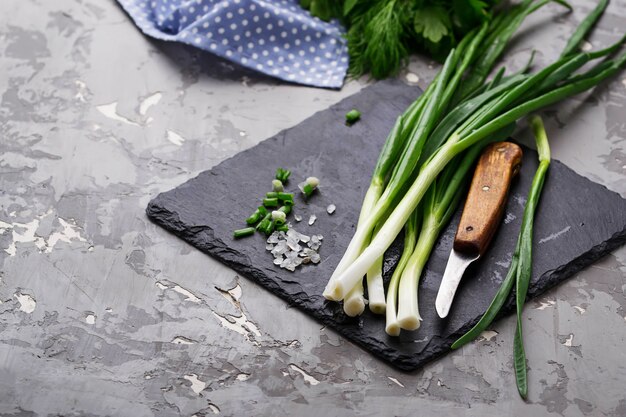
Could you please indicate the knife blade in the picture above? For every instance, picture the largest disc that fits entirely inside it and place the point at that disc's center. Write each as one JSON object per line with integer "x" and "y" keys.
{"x": 483, "y": 210}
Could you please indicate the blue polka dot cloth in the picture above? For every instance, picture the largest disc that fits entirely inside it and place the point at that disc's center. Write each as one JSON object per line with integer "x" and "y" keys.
{"x": 275, "y": 37}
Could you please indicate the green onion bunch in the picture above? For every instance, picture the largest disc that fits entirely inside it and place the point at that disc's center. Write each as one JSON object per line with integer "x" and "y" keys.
{"x": 423, "y": 166}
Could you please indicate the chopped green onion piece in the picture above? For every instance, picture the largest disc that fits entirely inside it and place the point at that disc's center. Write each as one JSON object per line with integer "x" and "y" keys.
{"x": 285, "y": 196}
{"x": 352, "y": 116}
{"x": 279, "y": 216}
{"x": 282, "y": 228}
{"x": 248, "y": 231}
{"x": 309, "y": 185}
{"x": 288, "y": 202}
{"x": 263, "y": 223}
{"x": 313, "y": 181}
{"x": 269, "y": 228}
{"x": 286, "y": 209}
{"x": 271, "y": 194}
{"x": 255, "y": 217}
{"x": 270, "y": 202}
{"x": 282, "y": 174}
{"x": 277, "y": 186}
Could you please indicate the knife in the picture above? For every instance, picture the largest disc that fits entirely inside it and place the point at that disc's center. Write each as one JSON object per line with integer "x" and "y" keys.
{"x": 483, "y": 210}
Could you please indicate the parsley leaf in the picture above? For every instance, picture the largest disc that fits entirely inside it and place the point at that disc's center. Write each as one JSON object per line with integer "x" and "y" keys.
{"x": 433, "y": 23}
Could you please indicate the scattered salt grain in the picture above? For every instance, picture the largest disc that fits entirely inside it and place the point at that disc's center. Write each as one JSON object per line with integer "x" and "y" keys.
{"x": 287, "y": 251}
{"x": 331, "y": 209}
{"x": 312, "y": 219}
{"x": 297, "y": 217}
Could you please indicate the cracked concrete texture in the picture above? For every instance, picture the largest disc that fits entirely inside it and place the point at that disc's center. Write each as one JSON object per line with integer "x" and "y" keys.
{"x": 103, "y": 313}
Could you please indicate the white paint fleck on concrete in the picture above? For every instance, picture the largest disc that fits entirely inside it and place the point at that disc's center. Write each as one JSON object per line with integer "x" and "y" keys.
{"x": 151, "y": 100}
{"x": 27, "y": 302}
{"x": 488, "y": 335}
{"x": 307, "y": 378}
{"x": 190, "y": 296}
{"x": 175, "y": 138}
{"x": 555, "y": 235}
{"x": 236, "y": 292}
{"x": 27, "y": 233}
{"x": 70, "y": 232}
{"x": 182, "y": 340}
{"x": 90, "y": 318}
{"x": 586, "y": 46}
{"x": 240, "y": 325}
{"x": 395, "y": 381}
{"x": 545, "y": 304}
{"x": 196, "y": 385}
{"x": 243, "y": 377}
{"x": 110, "y": 111}
{"x": 568, "y": 341}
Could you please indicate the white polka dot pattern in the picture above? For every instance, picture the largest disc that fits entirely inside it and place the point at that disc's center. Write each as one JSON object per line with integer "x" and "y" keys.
{"x": 275, "y": 37}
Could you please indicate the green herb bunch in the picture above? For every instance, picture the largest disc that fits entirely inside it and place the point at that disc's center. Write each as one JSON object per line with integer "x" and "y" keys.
{"x": 382, "y": 33}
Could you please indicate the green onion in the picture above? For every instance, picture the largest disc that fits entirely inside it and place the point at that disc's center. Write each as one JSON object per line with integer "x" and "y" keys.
{"x": 352, "y": 116}
{"x": 439, "y": 204}
{"x": 584, "y": 28}
{"x": 269, "y": 228}
{"x": 427, "y": 156}
{"x": 277, "y": 186}
{"x": 264, "y": 222}
{"x": 243, "y": 232}
{"x": 282, "y": 175}
{"x": 308, "y": 186}
{"x": 257, "y": 215}
{"x": 271, "y": 194}
{"x": 270, "y": 202}
{"x": 279, "y": 217}
{"x": 392, "y": 327}
{"x": 282, "y": 228}
{"x": 254, "y": 218}
{"x": 286, "y": 209}
{"x": 284, "y": 197}
{"x": 524, "y": 267}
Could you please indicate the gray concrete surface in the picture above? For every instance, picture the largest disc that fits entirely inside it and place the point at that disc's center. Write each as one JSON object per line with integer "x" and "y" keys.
{"x": 103, "y": 313}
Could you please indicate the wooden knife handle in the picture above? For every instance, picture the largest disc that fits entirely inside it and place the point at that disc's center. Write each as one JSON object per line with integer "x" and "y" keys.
{"x": 486, "y": 200}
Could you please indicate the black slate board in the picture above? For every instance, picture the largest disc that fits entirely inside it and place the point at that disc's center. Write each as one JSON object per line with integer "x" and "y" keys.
{"x": 578, "y": 222}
